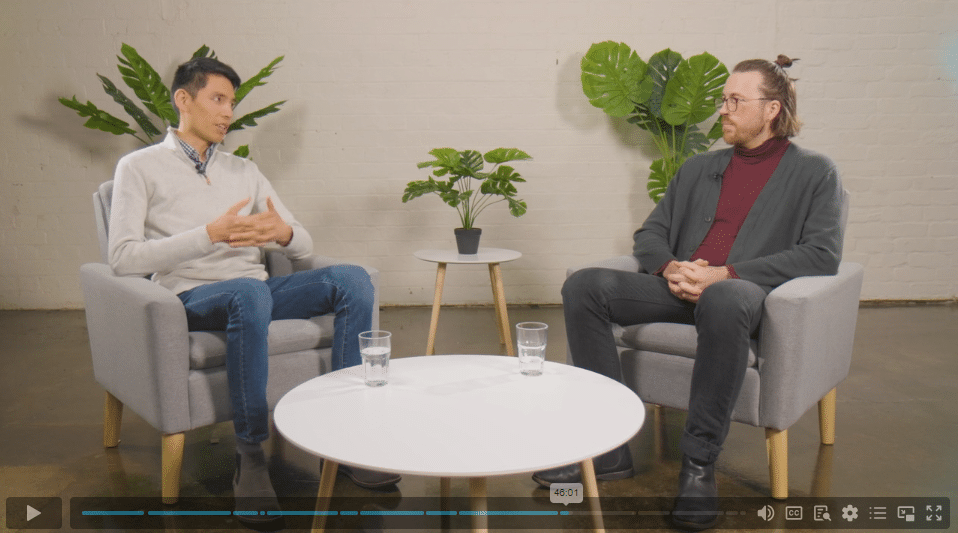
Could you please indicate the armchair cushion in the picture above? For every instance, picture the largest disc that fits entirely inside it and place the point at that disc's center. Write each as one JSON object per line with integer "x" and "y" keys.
{"x": 208, "y": 348}
{"x": 669, "y": 339}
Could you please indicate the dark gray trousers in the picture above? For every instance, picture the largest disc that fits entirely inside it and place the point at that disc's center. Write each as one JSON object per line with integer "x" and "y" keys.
{"x": 726, "y": 316}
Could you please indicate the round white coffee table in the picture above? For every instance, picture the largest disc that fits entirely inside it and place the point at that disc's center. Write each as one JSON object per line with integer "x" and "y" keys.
{"x": 485, "y": 256}
{"x": 469, "y": 416}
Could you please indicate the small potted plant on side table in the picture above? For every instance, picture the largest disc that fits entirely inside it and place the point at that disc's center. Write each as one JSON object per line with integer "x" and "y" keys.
{"x": 462, "y": 171}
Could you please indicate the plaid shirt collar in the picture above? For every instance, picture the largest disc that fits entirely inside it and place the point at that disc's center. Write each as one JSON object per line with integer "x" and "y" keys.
{"x": 195, "y": 156}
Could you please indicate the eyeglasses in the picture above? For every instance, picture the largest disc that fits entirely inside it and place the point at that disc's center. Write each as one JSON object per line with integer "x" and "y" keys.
{"x": 732, "y": 102}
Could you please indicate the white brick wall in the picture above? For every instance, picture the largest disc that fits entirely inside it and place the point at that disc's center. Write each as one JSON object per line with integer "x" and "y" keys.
{"x": 374, "y": 84}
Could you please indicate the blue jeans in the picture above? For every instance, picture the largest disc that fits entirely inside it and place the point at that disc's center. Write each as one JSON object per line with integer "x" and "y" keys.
{"x": 244, "y": 307}
{"x": 728, "y": 313}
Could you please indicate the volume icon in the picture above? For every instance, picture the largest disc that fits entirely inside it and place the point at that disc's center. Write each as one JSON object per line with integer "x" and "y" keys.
{"x": 766, "y": 513}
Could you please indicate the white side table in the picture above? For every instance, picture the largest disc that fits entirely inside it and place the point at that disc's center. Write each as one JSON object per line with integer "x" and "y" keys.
{"x": 487, "y": 256}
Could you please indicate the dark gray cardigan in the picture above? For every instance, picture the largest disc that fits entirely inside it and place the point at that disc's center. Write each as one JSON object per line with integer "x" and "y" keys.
{"x": 792, "y": 230}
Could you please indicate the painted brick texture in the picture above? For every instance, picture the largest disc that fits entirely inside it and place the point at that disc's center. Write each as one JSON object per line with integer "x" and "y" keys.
{"x": 373, "y": 85}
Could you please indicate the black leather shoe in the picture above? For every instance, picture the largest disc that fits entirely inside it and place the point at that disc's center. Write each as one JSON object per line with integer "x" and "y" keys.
{"x": 256, "y": 505}
{"x": 616, "y": 464}
{"x": 370, "y": 479}
{"x": 696, "y": 506}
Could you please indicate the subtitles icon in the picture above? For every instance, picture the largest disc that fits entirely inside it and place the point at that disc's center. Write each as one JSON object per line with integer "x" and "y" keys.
{"x": 793, "y": 512}
{"x": 821, "y": 513}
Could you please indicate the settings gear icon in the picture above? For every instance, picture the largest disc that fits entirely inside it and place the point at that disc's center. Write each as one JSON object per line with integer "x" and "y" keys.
{"x": 850, "y": 513}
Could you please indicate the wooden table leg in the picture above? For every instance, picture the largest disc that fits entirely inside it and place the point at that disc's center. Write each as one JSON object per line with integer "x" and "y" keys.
{"x": 436, "y": 303}
{"x": 591, "y": 489}
{"x": 495, "y": 301}
{"x": 502, "y": 313}
{"x": 326, "y": 481}
{"x": 477, "y": 492}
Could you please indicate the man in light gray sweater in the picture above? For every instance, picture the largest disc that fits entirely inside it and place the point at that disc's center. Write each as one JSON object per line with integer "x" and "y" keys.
{"x": 196, "y": 219}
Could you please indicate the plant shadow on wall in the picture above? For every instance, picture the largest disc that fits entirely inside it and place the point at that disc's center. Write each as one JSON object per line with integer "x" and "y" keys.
{"x": 670, "y": 97}
{"x": 147, "y": 86}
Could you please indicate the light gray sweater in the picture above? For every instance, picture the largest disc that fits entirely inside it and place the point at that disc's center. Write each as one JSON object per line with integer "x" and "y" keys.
{"x": 161, "y": 207}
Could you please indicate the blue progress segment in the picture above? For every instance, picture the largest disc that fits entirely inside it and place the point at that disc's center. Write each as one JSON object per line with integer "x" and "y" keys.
{"x": 391, "y": 513}
{"x": 113, "y": 513}
{"x": 194, "y": 513}
{"x": 441, "y": 513}
{"x": 509, "y": 513}
{"x": 302, "y": 513}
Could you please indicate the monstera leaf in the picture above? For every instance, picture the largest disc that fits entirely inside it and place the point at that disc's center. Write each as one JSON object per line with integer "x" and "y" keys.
{"x": 146, "y": 84}
{"x": 612, "y": 78}
{"x": 668, "y": 97}
{"x": 662, "y": 67}
{"x": 658, "y": 180}
{"x": 691, "y": 93}
{"x": 99, "y": 119}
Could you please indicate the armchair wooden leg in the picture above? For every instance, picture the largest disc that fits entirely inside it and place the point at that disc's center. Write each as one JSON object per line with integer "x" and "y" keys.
{"x": 826, "y": 417}
{"x": 112, "y": 417}
{"x": 172, "y": 466}
{"x": 776, "y": 444}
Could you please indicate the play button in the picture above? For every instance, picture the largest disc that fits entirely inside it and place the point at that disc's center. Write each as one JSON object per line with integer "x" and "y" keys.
{"x": 34, "y": 513}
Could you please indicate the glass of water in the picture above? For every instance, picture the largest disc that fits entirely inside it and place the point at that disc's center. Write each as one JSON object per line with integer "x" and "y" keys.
{"x": 531, "y": 340}
{"x": 375, "y": 348}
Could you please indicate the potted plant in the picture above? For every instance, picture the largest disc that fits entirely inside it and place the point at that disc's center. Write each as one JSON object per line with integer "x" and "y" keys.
{"x": 155, "y": 97}
{"x": 466, "y": 187}
{"x": 669, "y": 97}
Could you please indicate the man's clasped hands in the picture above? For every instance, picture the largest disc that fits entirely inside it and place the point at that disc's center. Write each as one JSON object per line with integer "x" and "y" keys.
{"x": 687, "y": 279}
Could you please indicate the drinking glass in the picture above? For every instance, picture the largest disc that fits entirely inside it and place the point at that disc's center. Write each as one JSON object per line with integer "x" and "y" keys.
{"x": 375, "y": 348}
{"x": 531, "y": 341}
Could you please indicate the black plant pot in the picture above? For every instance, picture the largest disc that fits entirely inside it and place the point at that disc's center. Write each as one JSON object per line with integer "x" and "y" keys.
{"x": 467, "y": 240}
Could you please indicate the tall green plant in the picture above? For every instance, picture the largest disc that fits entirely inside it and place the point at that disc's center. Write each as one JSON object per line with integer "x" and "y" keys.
{"x": 149, "y": 89}
{"x": 669, "y": 97}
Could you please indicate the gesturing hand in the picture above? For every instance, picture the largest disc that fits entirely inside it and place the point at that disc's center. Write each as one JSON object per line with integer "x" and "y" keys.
{"x": 250, "y": 230}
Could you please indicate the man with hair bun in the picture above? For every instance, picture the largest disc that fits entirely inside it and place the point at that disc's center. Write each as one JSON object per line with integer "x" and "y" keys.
{"x": 732, "y": 225}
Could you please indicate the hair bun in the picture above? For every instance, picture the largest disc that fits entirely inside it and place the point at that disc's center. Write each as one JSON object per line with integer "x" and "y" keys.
{"x": 784, "y": 61}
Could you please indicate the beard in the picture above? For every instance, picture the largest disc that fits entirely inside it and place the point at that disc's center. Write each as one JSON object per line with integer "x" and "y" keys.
{"x": 741, "y": 134}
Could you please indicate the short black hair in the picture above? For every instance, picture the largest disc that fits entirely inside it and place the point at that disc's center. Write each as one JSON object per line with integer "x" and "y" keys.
{"x": 191, "y": 76}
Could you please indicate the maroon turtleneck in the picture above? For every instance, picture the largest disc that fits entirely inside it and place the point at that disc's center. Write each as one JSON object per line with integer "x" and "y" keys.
{"x": 746, "y": 175}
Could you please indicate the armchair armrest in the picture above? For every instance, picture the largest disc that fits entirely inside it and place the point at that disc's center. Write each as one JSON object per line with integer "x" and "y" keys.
{"x": 806, "y": 339}
{"x": 140, "y": 345}
{"x": 319, "y": 261}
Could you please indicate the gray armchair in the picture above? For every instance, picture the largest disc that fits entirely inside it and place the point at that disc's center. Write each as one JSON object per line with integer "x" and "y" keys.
{"x": 802, "y": 353}
{"x": 147, "y": 360}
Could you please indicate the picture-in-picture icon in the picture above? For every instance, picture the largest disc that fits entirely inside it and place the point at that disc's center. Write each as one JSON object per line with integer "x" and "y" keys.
{"x": 907, "y": 513}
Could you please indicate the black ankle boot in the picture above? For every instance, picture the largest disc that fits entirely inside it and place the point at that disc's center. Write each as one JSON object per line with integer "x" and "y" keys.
{"x": 616, "y": 464}
{"x": 696, "y": 506}
{"x": 256, "y": 504}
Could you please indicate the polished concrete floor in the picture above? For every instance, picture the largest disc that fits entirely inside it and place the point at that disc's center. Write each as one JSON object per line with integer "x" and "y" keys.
{"x": 896, "y": 426}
